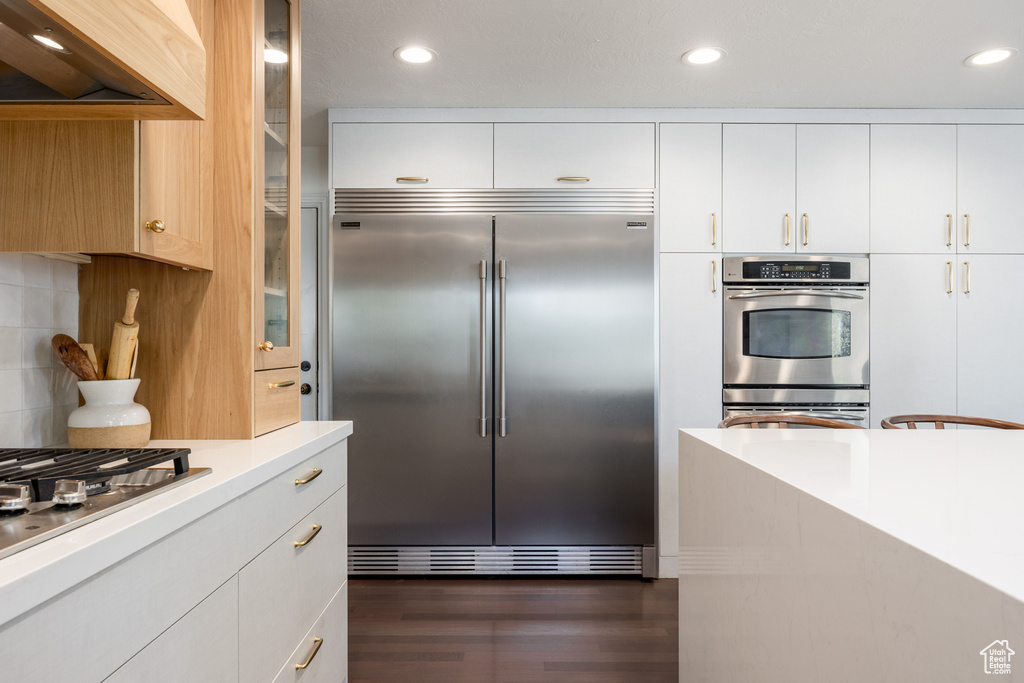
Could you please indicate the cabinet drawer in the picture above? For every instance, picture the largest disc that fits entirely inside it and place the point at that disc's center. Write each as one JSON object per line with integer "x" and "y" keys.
{"x": 201, "y": 646}
{"x": 330, "y": 663}
{"x": 281, "y": 591}
{"x": 457, "y": 155}
{"x": 277, "y": 402}
{"x": 272, "y": 509}
{"x": 608, "y": 155}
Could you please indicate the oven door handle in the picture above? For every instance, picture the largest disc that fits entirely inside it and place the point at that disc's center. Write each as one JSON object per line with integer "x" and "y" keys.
{"x": 818, "y": 413}
{"x": 796, "y": 292}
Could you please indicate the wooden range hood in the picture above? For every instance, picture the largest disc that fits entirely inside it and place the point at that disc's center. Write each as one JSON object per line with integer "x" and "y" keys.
{"x": 122, "y": 59}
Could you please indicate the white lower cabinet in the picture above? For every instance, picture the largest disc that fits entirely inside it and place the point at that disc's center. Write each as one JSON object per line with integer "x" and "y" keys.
{"x": 209, "y": 636}
{"x": 323, "y": 652}
{"x": 944, "y": 333}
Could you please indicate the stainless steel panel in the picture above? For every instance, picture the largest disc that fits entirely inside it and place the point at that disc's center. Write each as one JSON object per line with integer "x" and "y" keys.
{"x": 577, "y": 466}
{"x": 406, "y": 370}
{"x": 858, "y": 415}
{"x": 732, "y": 266}
{"x": 852, "y": 370}
{"x": 546, "y": 201}
{"x": 792, "y": 396}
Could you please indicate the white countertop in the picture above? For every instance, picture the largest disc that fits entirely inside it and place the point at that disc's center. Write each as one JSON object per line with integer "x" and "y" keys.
{"x": 957, "y": 495}
{"x": 43, "y": 571}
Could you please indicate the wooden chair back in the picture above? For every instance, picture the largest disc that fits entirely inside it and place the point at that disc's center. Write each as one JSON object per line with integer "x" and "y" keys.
{"x": 940, "y": 421}
{"x": 782, "y": 420}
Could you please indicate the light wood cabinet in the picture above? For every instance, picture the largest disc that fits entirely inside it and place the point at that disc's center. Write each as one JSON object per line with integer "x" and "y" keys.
{"x": 104, "y": 187}
{"x": 795, "y": 188}
{"x": 560, "y": 155}
{"x": 404, "y": 155}
{"x": 690, "y": 186}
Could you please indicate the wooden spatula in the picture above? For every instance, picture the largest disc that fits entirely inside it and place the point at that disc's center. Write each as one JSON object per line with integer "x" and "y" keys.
{"x": 74, "y": 357}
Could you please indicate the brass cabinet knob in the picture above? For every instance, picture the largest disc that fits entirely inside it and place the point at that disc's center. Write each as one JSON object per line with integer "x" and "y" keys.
{"x": 267, "y": 346}
{"x": 156, "y": 226}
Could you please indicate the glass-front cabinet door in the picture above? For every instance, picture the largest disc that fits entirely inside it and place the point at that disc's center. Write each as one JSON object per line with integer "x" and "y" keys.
{"x": 277, "y": 132}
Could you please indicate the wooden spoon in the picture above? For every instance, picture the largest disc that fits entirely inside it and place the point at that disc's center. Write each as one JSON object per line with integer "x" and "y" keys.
{"x": 74, "y": 357}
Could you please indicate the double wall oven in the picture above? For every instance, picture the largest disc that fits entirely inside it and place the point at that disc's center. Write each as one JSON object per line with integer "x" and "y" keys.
{"x": 796, "y": 336}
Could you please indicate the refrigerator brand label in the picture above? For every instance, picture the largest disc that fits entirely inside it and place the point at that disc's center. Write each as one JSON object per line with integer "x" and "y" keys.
{"x": 636, "y": 225}
{"x": 349, "y": 225}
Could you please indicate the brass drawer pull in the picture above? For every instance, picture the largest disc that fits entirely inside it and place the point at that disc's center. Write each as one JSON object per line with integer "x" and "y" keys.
{"x": 316, "y": 530}
{"x": 156, "y": 226}
{"x": 317, "y": 642}
{"x": 281, "y": 385}
{"x": 949, "y": 229}
{"x": 267, "y": 346}
{"x": 574, "y": 179}
{"x": 714, "y": 229}
{"x": 412, "y": 179}
{"x": 967, "y": 229}
{"x": 312, "y": 475}
{"x": 949, "y": 264}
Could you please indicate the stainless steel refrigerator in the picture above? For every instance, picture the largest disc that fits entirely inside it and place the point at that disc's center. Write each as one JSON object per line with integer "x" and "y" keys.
{"x": 499, "y": 370}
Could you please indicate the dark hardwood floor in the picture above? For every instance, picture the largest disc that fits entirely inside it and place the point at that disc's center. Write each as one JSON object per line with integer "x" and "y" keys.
{"x": 519, "y": 630}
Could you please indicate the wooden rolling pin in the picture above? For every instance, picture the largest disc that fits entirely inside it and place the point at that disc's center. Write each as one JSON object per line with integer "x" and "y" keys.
{"x": 122, "y": 344}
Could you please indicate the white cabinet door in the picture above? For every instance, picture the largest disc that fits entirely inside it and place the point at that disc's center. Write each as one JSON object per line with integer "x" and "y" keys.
{"x": 990, "y": 189}
{"x": 691, "y": 187}
{"x": 913, "y": 335}
{"x": 990, "y": 331}
{"x": 397, "y": 155}
{"x": 201, "y": 646}
{"x": 590, "y": 155}
{"x": 832, "y": 188}
{"x": 913, "y": 189}
{"x": 324, "y": 648}
{"x": 759, "y": 187}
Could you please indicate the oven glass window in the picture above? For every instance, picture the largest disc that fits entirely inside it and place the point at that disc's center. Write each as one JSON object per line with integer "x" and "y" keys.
{"x": 796, "y": 333}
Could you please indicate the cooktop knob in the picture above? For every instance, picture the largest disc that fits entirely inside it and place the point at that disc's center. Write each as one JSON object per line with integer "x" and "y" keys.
{"x": 69, "y": 492}
{"x": 14, "y": 497}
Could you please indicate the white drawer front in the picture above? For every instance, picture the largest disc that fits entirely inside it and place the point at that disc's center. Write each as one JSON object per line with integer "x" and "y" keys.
{"x": 330, "y": 661}
{"x": 607, "y": 155}
{"x": 396, "y": 155}
{"x": 282, "y": 590}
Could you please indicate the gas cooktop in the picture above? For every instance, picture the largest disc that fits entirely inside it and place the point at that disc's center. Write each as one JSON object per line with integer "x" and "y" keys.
{"x": 45, "y": 492}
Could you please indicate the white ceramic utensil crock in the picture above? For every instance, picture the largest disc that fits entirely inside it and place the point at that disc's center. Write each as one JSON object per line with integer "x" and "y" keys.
{"x": 110, "y": 417}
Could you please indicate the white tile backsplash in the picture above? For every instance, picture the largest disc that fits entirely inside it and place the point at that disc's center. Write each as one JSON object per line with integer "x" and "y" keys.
{"x": 38, "y": 299}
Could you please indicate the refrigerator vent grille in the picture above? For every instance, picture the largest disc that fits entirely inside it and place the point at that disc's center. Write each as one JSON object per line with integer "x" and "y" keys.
{"x": 493, "y": 201}
{"x": 423, "y": 560}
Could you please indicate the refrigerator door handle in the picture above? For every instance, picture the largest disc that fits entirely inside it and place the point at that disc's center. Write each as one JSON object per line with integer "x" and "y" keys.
{"x": 483, "y": 347}
{"x": 502, "y": 430}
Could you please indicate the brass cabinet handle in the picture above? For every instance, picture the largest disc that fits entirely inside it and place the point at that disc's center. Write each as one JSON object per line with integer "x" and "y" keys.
{"x": 316, "y": 530}
{"x": 156, "y": 226}
{"x": 266, "y": 346}
{"x": 312, "y": 475}
{"x": 967, "y": 277}
{"x": 412, "y": 179}
{"x": 714, "y": 277}
{"x": 787, "y": 229}
{"x": 317, "y": 642}
{"x": 281, "y": 385}
{"x": 949, "y": 229}
{"x": 574, "y": 178}
{"x": 805, "y": 229}
{"x": 967, "y": 229}
{"x": 949, "y": 264}
{"x": 714, "y": 229}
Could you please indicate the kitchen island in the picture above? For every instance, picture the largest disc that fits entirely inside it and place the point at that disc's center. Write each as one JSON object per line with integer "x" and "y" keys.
{"x": 850, "y": 555}
{"x": 192, "y": 583}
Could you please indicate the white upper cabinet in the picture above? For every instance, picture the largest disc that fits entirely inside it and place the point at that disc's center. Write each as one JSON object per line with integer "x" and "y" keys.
{"x": 691, "y": 187}
{"x": 589, "y": 155}
{"x": 913, "y": 335}
{"x": 397, "y": 155}
{"x": 832, "y": 188}
{"x": 913, "y": 188}
{"x": 759, "y": 187}
{"x": 990, "y": 189}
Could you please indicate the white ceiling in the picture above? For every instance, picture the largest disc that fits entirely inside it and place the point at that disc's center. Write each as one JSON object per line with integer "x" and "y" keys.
{"x": 626, "y": 53}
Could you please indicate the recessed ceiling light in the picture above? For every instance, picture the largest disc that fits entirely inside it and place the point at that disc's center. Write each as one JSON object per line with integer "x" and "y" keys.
{"x": 415, "y": 55}
{"x": 49, "y": 42}
{"x": 273, "y": 56}
{"x": 990, "y": 56}
{"x": 703, "y": 55}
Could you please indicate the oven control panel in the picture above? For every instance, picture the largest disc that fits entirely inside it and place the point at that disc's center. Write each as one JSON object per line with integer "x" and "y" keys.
{"x": 796, "y": 270}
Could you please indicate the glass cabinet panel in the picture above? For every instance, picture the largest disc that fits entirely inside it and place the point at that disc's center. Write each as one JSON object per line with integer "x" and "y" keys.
{"x": 277, "y": 182}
